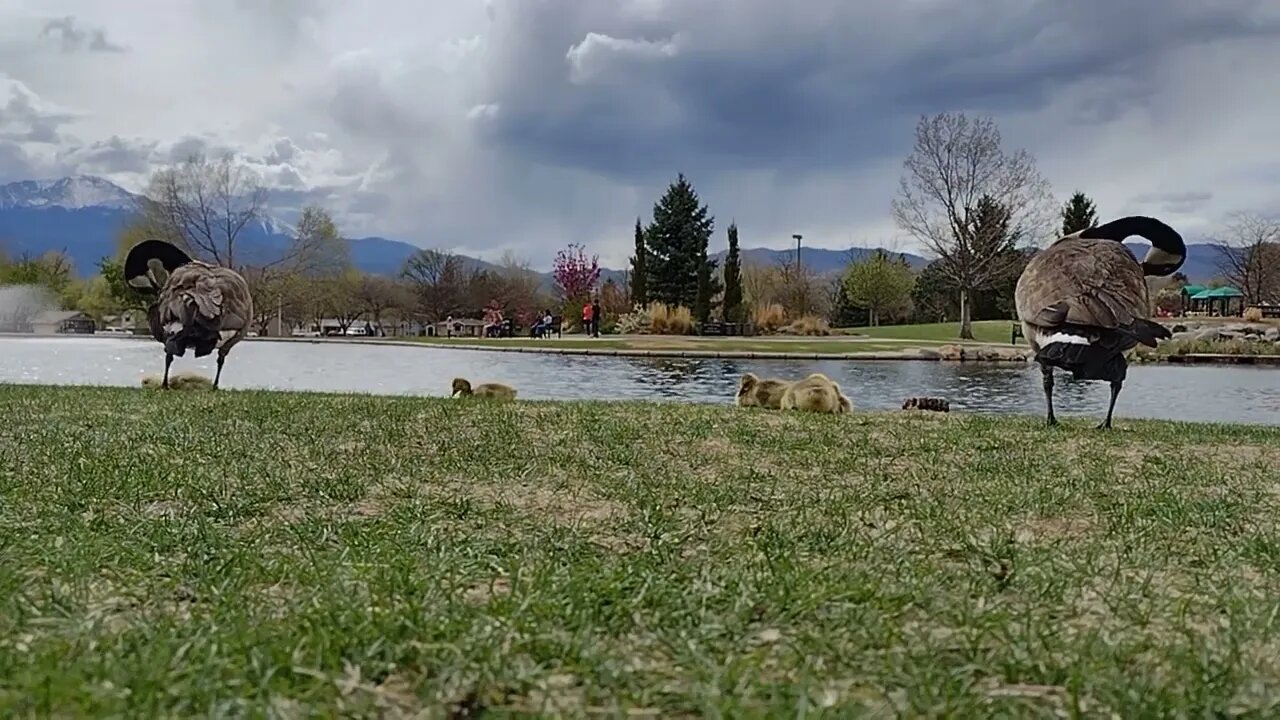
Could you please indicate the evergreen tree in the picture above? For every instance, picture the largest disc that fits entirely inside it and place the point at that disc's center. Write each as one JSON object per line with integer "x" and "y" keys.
{"x": 1078, "y": 214}
{"x": 733, "y": 279}
{"x": 702, "y": 301}
{"x": 676, "y": 247}
{"x": 639, "y": 270}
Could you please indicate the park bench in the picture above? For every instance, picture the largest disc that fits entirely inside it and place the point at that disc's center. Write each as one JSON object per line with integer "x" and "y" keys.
{"x": 555, "y": 327}
{"x": 1014, "y": 333}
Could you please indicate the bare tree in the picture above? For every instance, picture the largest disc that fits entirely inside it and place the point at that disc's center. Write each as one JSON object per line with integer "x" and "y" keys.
{"x": 204, "y": 206}
{"x": 800, "y": 289}
{"x": 956, "y": 162}
{"x": 1248, "y": 255}
{"x": 376, "y": 295}
{"x": 339, "y": 298}
{"x": 438, "y": 280}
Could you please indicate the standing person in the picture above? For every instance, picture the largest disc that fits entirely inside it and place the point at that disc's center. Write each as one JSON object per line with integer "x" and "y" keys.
{"x": 596, "y": 315}
{"x": 586, "y": 318}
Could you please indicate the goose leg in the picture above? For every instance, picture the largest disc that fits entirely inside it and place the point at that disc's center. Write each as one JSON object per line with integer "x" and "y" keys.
{"x": 218, "y": 375}
{"x": 168, "y": 360}
{"x": 1047, "y": 372}
{"x": 1115, "y": 392}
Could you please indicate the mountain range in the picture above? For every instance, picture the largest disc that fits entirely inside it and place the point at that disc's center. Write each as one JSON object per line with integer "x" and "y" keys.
{"x": 83, "y": 215}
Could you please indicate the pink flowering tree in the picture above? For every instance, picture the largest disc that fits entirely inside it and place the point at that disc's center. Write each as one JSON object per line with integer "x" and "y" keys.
{"x": 576, "y": 275}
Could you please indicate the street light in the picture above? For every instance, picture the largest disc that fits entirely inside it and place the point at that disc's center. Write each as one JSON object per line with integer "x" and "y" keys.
{"x": 797, "y": 237}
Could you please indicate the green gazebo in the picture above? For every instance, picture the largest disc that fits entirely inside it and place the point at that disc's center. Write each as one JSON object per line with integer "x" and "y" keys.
{"x": 1221, "y": 299}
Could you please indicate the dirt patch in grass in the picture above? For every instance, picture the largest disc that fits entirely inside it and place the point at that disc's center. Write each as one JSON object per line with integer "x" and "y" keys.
{"x": 1059, "y": 528}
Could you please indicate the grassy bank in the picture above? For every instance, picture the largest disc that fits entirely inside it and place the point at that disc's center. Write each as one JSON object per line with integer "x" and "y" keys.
{"x": 995, "y": 332}
{"x": 678, "y": 343}
{"x": 850, "y": 340}
{"x": 187, "y": 554}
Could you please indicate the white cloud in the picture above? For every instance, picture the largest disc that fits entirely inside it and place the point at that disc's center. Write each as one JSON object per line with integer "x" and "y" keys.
{"x": 488, "y": 124}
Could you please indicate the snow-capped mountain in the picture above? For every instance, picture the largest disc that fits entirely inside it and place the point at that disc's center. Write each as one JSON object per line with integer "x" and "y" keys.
{"x": 69, "y": 193}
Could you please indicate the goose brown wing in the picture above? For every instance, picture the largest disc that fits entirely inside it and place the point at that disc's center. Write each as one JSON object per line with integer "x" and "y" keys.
{"x": 237, "y": 303}
{"x": 1094, "y": 283}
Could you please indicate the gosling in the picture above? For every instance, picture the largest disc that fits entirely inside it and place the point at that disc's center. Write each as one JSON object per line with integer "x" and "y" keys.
{"x": 754, "y": 392}
{"x": 178, "y": 381}
{"x": 817, "y": 393}
{"x": 933, "y": 404}
{"x": 462, "y": 388}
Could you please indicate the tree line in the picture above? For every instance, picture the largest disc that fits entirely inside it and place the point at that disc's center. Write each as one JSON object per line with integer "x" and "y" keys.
{"x": 979, "y": 209}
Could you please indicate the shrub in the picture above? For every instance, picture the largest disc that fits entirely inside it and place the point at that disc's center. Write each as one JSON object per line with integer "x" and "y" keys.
{"x": 666, "y": 320}
{"x": 636, "y": 322}
{"x": 656, "y": 319}
{"x": 809, "y": 325}
{"x": 768, "y": 318}
{"x": 1253, "y": 314}
{"x": 1221, "y": 347}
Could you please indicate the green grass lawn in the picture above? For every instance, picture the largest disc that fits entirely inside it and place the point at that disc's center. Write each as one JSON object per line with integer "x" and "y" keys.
{"x": 250, "y": 553}
{"x": 987, "y": 331}
{"x": 878, "y": 339}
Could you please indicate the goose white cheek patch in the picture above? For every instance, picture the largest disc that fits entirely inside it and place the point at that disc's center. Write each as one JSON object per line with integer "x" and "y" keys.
{"x": 173, "y": 328}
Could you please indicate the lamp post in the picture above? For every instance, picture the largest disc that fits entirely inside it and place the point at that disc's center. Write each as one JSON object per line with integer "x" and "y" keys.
{"x": 797, "y": 237}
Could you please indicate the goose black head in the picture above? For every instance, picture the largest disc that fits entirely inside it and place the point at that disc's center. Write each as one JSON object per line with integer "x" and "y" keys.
{"x": 148, "y": 264}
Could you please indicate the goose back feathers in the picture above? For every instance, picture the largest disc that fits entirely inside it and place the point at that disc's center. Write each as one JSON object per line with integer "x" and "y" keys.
{"x": 1083, "y": 301}
{"x": 196, "y": 305}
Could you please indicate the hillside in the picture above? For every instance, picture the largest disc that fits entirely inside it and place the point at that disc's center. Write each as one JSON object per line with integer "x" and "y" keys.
{"x": 83, "y": 215}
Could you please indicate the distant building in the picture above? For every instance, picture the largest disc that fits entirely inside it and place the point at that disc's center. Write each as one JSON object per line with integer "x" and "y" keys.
{"x": 458, "y": 327}
{"x": 57, "y": 322}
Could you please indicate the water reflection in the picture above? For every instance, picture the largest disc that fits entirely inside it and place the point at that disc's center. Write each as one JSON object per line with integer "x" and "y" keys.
{"x": 1223, "y": 393}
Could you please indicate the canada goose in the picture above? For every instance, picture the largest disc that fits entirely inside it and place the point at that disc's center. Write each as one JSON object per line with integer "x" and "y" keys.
{"x": 197, "y": 305}
{"x": 754, "y": 392}
{"x": 462, "y": 388}
{"x": 1083, "y": 301}
{"x": 816, "y": 393}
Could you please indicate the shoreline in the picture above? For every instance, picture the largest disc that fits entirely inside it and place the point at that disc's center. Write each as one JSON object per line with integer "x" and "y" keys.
{"x": 916, "y": 353}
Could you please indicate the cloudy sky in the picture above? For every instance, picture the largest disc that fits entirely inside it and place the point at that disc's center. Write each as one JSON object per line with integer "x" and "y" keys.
{"x": 482, "y": 125}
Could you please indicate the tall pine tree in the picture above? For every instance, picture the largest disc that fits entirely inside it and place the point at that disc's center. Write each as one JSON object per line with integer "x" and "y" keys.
{"x": 702, "y": 301}
{"x": 733, "y": 279}
{"x": 1078, "y": 214}
{"x": 676, "y": 247}
{"x": 639, "y": 270}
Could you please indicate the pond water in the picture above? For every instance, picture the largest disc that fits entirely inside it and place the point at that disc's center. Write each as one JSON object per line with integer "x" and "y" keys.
{"x": 1203, "y": 393}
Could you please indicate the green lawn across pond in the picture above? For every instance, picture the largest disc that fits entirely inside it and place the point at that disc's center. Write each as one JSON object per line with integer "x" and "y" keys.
{"x": 257, "y": 554}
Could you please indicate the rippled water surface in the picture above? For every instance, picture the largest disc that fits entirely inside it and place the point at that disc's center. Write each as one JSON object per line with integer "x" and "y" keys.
{"x": 1206, "y": 393}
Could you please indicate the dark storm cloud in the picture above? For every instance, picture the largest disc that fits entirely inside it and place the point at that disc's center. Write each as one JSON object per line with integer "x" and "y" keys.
{"x": 724, "y": 84}
{"x": 113, "y": 155}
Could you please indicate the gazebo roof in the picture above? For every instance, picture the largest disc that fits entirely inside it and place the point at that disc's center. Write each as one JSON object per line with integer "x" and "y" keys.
{"x": 1193, "y": 290}
{"x": 1222, "y": 292}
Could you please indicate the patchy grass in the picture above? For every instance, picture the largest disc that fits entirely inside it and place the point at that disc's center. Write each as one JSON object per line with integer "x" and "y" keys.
{"x": 253, "y": 554}
{"x": 984, "y": 331}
